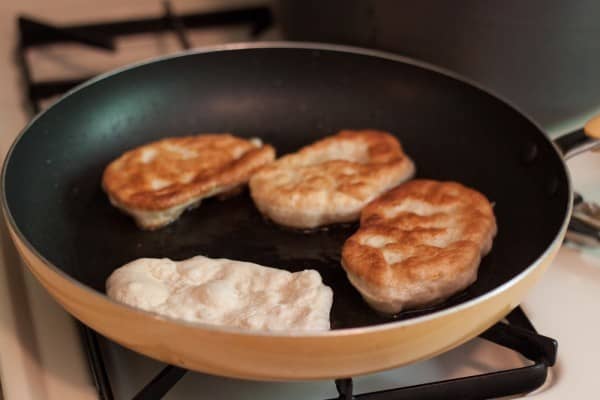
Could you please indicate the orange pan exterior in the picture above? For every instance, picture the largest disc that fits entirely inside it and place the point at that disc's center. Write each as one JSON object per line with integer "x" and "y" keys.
{"x": 268, "y": 356}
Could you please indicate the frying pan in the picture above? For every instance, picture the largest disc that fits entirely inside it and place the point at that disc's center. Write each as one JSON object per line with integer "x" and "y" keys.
{"x": 289, "y": 95}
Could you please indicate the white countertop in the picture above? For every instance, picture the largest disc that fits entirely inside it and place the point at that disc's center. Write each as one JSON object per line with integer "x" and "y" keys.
{"x": 38, "y": 355}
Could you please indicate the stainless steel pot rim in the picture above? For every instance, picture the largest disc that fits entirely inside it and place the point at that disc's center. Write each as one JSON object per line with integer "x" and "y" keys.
{"x": 331, "y": 333}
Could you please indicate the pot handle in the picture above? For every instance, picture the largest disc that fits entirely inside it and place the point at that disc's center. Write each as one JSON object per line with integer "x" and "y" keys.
{"x": 581, "y": 140}
{"x": 583, "y": 227}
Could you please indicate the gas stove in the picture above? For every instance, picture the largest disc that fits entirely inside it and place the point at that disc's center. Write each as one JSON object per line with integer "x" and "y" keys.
{"x": 53, "y": 356}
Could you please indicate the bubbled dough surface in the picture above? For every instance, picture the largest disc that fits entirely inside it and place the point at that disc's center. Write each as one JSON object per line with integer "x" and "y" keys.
{"x": 225, "y": 292}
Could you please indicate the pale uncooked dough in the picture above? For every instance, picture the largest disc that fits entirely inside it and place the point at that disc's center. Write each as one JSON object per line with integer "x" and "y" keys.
{"x": 225, "y": 292}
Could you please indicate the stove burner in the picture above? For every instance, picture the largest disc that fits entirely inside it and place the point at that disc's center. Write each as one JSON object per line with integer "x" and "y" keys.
{"x": 517, "y": 334}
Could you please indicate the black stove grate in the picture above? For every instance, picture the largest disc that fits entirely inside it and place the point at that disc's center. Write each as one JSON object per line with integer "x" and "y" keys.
{"x": 33, "y": 32}
{"x": 517, "y": 333}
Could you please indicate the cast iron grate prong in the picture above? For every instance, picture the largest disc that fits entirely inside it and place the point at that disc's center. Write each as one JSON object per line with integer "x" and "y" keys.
{"x": 161, "y": 384}
{"x": 177, "y": 25}
{"x": 35, "y": 33}
{"x": 95, "y": 362}
{"x": 345, "y": 388}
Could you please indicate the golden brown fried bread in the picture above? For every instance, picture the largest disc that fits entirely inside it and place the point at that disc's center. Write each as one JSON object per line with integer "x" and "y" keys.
{"x": 330, "y": 180}
{"x": 156, "y": 182}
{"x": 419, "y": 244}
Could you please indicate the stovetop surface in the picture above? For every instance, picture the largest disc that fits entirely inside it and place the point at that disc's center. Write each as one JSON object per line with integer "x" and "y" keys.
{"x": 50, "y": 363}
{"x": 131, "y": 371}
{"x": 476, "y": 366}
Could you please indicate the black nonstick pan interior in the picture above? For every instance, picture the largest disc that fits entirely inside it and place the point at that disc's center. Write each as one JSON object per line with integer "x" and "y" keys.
{"x": 289, "y": 97}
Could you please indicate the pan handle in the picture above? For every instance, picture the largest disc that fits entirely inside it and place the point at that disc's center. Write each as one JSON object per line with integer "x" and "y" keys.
{"x": 581, "y": 140}
{"x": 583, "y": 228}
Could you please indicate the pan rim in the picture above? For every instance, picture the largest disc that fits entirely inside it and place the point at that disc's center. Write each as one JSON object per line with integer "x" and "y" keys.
{"x": 99, "y": 296}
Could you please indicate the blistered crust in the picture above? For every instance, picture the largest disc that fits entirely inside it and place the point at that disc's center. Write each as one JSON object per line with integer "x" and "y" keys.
{"x": 419, "y": 244}
{"x": 156, "y": 182}
{"x": 330, "y": 180}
